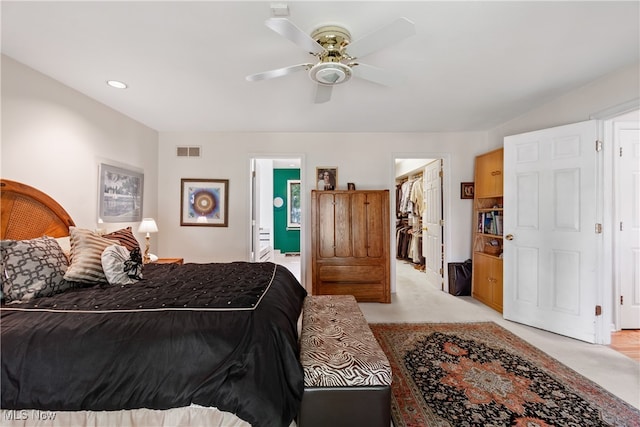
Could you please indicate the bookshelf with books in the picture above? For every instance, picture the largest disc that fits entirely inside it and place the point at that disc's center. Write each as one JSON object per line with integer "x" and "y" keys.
{"x": 487, "y": 234}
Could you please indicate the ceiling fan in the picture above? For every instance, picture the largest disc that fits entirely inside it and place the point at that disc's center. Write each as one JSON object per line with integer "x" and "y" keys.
{"x": 336, "y": 54}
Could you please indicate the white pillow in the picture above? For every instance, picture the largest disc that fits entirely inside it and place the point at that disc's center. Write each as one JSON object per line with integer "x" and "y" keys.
{"x": 113, "y": 265}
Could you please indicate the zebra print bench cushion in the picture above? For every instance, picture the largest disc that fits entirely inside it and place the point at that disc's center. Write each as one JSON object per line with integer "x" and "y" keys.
{"x": 337, "y": 348}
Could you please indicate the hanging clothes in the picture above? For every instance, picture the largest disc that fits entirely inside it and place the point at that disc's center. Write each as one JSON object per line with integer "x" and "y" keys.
{"x": 416, "y": 197}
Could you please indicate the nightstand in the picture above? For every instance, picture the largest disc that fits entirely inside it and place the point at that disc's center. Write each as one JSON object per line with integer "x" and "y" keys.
{"x": 169, "y": 261}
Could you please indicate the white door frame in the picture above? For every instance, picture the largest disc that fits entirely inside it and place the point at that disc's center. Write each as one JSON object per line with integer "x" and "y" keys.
{"x": 625, "y": 268}
{"x": 611, "y": 288}
{"x": 612, "y": 210}
{"x": 446, "y": 206}
{"x": 305, "y": 216}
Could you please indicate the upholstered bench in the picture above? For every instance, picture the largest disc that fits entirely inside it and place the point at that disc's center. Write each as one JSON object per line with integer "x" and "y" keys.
{"x": 347, "y": 377}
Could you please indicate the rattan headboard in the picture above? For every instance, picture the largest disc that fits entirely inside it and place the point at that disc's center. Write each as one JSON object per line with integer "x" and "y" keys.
{"x": 28, "y": 213}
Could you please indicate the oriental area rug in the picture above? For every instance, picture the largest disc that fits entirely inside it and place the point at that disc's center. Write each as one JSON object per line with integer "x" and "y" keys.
{"x": 480, "y": 374}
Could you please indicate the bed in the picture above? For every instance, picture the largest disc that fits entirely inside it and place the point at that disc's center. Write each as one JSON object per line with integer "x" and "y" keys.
{"x": 190, "y": 344}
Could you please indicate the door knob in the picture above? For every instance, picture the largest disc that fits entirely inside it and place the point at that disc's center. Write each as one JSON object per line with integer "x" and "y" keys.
{"x": 509, "y": 237}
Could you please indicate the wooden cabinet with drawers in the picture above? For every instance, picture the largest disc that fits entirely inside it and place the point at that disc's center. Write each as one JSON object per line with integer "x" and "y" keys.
{"x": 350, "y": 244}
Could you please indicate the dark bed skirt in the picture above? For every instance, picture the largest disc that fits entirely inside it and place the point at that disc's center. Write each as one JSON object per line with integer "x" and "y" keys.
{"x": 346, "y": 406}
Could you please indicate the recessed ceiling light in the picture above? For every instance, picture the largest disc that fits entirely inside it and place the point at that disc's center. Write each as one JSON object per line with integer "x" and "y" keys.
{"x": 117, "y": 84}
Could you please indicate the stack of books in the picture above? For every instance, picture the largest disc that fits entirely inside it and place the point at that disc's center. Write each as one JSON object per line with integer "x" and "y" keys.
{"x": 490, "y": 223}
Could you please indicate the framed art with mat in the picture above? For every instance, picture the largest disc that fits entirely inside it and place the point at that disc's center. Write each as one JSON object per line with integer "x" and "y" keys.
{"x": 204, "y": 202}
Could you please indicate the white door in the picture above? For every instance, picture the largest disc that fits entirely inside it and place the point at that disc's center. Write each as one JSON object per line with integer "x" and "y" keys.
{"x": 432, "y": 248}
{"x": 255, "y": 225}
{"x": 550, "y": 248}
{"x": 628, "y": 137}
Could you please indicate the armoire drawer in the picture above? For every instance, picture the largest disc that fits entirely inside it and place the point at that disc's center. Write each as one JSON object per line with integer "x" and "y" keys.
{"x": 364, "y": 274}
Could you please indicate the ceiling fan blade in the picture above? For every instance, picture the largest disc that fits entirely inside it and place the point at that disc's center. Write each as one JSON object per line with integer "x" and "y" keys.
{"x": 288, "y": 29}
{"x": 386, "y": 36}
{"x": 279, "y": 72}
{"x": 323, "y": 93}
{"x": 376, "y": 75}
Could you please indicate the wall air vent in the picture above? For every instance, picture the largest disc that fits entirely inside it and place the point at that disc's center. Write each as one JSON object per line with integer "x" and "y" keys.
{"x": 193, "y": 151}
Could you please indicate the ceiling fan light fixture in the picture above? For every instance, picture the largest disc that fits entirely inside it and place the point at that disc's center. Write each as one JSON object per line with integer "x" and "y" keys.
{"x": 330, "y": 73}
{"x": 329, "y": 44}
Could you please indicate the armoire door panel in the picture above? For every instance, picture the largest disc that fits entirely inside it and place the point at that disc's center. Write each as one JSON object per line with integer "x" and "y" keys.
{"x": 375, "y": 223}
{"x": 360, "y": 224}
{"x": 326, "y": 225}
{"x": 343, "y": 237}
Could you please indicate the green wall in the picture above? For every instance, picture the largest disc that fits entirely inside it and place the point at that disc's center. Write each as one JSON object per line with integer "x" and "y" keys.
{"x": 283, "y": 239}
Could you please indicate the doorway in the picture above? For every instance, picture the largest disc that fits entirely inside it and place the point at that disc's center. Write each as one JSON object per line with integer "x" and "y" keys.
{"x": 624, "y": 134}
{"x": 420, "y": 237}
{"x": 276, "y": 211}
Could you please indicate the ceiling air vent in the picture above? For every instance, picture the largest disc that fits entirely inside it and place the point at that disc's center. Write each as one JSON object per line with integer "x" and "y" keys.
{"x": 188, "y": 151}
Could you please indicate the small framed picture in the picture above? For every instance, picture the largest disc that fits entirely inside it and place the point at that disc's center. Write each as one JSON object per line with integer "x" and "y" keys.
{"x": 204, "y": 202}
{"x": 466, "y": 190}
{"x": 120, "y": 194}
{"x": 327, "y": 178}
{"x": 351, "y": 186}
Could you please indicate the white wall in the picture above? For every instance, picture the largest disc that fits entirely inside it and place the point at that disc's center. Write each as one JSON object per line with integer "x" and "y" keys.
{"x": 367, "y": 159}
{"x": 607, "y": 92}
{"x": 54, "y": 138}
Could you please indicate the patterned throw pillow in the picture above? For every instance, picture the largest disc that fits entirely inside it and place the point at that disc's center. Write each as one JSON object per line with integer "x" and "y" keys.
{"x": 32, "y": 269}
{"x": 125, "y": 237}
{"x": 86, "y": 256}
{"x": 117, "y": 266}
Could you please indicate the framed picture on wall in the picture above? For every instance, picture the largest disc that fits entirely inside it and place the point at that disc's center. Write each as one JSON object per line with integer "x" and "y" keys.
{"x": 204, "y": 202}
{"x": 293, "y": 203}
{"x": 327, "y": 178}
{"x": 119, "y": 194}
{"x": 466, "y": 190}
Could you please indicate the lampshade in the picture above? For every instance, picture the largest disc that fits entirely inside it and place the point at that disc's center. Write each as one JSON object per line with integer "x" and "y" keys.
{"x": 148, "y": 225}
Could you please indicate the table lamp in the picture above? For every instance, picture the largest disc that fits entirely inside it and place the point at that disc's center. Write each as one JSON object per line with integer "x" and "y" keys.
{"x": 148, "y": 225}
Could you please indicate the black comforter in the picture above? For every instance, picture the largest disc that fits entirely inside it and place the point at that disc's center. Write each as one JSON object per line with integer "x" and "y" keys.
{"x": 220, "y": 335}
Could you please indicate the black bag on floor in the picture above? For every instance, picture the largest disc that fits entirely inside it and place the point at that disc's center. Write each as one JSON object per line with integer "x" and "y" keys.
{"x": 460, "y": 278}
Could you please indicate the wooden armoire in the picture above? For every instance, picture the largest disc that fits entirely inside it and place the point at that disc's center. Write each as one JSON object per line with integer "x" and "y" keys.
{"x": 350, "y": 244}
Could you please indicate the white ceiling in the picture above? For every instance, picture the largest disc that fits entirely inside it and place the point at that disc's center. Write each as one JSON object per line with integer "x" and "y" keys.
{"x": 471, "y": 65}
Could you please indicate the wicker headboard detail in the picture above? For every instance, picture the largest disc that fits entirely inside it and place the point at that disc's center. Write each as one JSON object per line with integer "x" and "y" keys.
{"x": 28, "y": 213}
